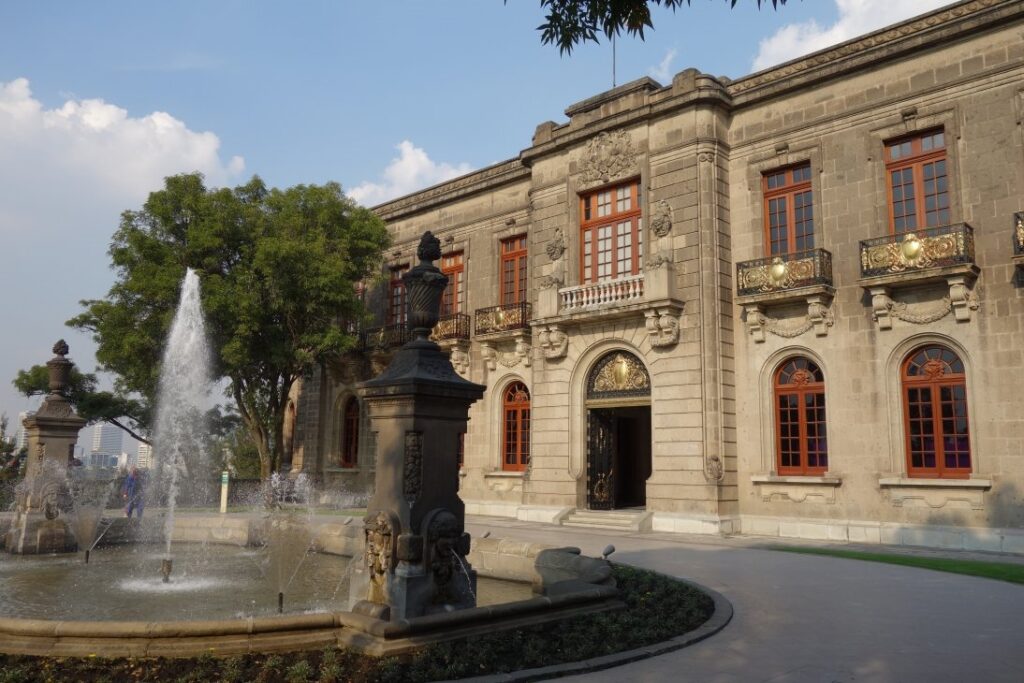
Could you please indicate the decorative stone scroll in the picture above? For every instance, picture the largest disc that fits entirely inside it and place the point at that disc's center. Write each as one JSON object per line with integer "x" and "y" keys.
{"x": 608, "y": 157}
{"x": 662, "y": 327}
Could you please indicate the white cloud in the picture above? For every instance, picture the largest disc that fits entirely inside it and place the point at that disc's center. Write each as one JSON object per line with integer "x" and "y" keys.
{"x": 412, "y": 170}
{"x": 856, "y": 17}
{"x": 663, "y": 72}
{"x": 66, "y": 174}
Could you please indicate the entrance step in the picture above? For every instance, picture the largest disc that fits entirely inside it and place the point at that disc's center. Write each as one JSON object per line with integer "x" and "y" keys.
{"x": 623, "y": 520}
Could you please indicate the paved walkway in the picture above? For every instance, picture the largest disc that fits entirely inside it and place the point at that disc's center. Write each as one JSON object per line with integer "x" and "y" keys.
{"x": 808, "y": 619}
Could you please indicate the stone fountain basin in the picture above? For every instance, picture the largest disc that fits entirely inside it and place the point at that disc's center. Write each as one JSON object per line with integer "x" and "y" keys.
{"x": 565, "y": 584}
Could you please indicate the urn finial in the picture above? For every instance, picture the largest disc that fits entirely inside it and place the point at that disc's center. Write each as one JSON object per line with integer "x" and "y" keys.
{"x": 424, "y": 286}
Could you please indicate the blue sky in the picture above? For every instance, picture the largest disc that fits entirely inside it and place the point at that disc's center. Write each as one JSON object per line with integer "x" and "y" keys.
{"x": 99, "y": 101}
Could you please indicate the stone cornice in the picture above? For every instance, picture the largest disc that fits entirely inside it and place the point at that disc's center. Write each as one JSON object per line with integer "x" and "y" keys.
{"x": 478, "y": 181}
{"x": 644, "y": 84}
{"x": 889, "y": 43}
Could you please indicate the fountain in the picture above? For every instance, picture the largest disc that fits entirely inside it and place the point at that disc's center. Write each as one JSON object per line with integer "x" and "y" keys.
{"x": 412, "y": 575}
{"x": 183, "y": 390}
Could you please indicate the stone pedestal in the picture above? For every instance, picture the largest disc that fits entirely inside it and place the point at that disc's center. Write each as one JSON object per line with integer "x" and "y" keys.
{"x": 40, "y": 525}
{"x": 416, "y": 545}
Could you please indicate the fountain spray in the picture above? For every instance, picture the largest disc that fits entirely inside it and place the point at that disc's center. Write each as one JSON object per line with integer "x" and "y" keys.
{"x": 183, "y": 395}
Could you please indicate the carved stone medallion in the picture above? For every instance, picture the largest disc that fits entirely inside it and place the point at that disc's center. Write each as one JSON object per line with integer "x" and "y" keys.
{"x": 608, "y": 157}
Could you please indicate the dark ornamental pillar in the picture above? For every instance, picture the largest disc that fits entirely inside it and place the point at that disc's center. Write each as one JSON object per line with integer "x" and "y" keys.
{"x": 416, "y": 545}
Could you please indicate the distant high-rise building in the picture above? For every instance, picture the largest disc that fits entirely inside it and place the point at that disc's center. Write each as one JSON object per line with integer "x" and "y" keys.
{"x": 106, "y": 438}
{"x": 144, "y": 459}
{"x": 21, "y": 436}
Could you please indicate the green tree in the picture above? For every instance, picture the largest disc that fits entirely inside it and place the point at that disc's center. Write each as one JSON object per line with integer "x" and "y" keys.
{"x": 278, "y": 268}
{"x": 571, "y": 22}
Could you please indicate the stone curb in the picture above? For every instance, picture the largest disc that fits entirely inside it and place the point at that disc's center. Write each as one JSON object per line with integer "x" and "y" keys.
{"x": 718, "y": 620}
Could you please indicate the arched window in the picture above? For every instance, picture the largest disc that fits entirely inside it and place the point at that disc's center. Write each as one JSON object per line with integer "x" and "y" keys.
{"x": 350, "y": 433}
{"x": 515, "y": 442}
{"x": 801, "y": 442}
{"x": 935, "y": 414}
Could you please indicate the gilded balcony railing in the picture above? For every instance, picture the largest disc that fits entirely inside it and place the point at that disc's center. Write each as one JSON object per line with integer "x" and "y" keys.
{"x": 454, "y": 326}
{"x": 784, "y": 272}
{"x": 383, "y": 338}
{"x": 624, "y": 290}
{"x": 948, "y": 245}
{"x": 1018, "y": 233}
{"x": 503, "y": 318}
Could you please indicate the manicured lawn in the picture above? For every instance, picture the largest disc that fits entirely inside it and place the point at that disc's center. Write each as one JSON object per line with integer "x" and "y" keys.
{"x": 1001, "y": 571}
{"x": 657, "y": 608}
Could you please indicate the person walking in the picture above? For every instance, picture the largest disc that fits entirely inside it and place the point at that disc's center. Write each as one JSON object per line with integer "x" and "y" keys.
{"x": 131, "y": 491}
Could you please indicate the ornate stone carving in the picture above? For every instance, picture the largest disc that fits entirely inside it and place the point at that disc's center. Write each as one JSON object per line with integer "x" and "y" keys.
{"x": 661, "y": 219}
{"x": 706, "y": 157}
{"x": 662, "y": 327}
{"x": 379, "y": 554}
{"x": 460, "y": 360}
{"x": 608, "y": 157}
{"x": 520, "y": 353}
{"x": 553, "y": 342}
{"x": 556, "y": 247}
{"x": 443, "y": 536}
{"x": 713, "y": 469}
{"x": 424, "y": 286}
{"x": 412, "y": 476}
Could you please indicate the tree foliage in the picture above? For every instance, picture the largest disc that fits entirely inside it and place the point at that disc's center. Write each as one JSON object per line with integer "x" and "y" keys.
{"x": 278, "y": 270}
{"x": 569, "y": 23}
{"x": 131, "y": 415}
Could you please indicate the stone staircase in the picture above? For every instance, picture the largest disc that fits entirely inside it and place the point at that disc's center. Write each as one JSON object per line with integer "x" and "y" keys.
{"x": 623, "y": 520}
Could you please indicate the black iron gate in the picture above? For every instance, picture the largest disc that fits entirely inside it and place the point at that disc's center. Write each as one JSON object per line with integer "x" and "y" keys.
{"x": 601, "y": 444}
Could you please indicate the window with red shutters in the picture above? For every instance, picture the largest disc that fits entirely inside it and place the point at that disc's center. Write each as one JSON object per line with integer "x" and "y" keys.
{"x": 515, "y": 442}
{"x": 454, "y": 297}
{"x": 935, "y": 414}
{"x": 611, "y": 240}
{"x": 513, "y": 270}
{"x": 801, "y": 430}
{"x": 918, "y": 182}
{"x": 396, "y": 296}
{"x": 788, "y": 210}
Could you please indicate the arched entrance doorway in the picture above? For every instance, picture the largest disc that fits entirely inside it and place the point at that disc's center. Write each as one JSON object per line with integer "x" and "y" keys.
{"x": 618, "y": 400}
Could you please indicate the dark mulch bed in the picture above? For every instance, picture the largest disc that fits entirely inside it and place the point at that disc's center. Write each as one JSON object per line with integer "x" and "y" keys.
{"x": 657, "y": 608}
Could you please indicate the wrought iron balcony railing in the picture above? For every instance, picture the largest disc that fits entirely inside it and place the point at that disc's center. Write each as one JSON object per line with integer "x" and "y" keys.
{"x": 918, "y": 250}
{"x": 454, "y": 326}
{"x": 784, "y": 272}
{"x": 384, "y": 338}
{"x": 504, "y": 318}
{"x": 1018, "y": 233}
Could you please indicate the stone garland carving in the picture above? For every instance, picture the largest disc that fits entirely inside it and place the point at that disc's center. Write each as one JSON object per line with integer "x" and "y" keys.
{"x": 713, "y": 469}
{"x": 553, "y": 342}
{"x": 960, "y": 302}
{"x": 412, "y": 465}
{"x": 661, "y": 219}
{"x": 859, "y": 47}
{"x": 819, "y": 317}
{"x": 608, "y": 157}
{"x": 662, "y": 327}
{"x": 661, "y": 226}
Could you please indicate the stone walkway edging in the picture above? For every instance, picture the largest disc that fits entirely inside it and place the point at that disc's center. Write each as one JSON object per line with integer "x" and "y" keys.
{"x": 719, "y": 619}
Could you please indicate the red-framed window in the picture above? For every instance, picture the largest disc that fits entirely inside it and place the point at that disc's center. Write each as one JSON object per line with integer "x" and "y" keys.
{"x": 513, "y": 270}
{"x": 918, "y": 183}
{"x": 611, "y": 240}
{"x": 454, "y": 298}
{"x": 802, "y": 434}
{"x": 788, "y": 209}
{"x": 396, "y": 296}
{"x": 515, "y": 442}
{"x": 935, "y": 414}
{"x": 350, "y": 433}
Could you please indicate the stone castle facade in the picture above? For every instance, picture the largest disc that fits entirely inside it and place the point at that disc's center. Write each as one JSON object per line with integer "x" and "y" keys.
{"x": 787, "y": 305}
